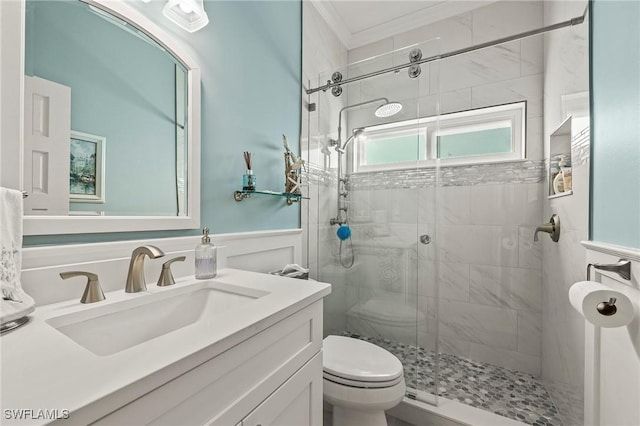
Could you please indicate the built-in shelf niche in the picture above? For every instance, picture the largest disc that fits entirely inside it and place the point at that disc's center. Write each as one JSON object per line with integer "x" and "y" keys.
{"x": 574, "y": 106}
{"x": 559, "y": 147}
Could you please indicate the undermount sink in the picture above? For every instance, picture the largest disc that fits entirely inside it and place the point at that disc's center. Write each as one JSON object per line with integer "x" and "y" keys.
{"x": 108, "y": 329}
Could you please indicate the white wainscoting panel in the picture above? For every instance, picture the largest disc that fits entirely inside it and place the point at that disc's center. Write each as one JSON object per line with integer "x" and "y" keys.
{"x": 262, "y": 251}
{"x": 612, "y": 355}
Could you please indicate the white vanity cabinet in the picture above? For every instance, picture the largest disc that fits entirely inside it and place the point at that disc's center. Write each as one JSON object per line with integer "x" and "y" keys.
{"x": 295, "y": 402}
{"x": 271, "y": 378}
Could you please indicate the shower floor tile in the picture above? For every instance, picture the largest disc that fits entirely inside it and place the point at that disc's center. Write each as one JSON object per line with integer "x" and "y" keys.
{"x": 509, "y": 393}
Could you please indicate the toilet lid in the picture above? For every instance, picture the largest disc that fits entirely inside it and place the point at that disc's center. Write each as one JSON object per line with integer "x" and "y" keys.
{"x": 359, "y": 361}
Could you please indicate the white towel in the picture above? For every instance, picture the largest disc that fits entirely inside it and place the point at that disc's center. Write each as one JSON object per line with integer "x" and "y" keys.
{"x": 15, "y": 302}
{"x": 292, "y": 270}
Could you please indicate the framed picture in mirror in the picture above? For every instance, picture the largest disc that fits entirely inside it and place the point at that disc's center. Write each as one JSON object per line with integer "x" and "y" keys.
{"x": 86, "y": 168}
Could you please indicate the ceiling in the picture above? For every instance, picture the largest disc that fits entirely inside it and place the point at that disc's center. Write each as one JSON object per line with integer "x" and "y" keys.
{"x": 359, "y": 16}
{"x": 360, "y": 22}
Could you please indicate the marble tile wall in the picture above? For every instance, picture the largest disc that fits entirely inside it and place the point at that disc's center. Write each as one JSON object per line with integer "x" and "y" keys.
{"x": 482, "y": 266}
{"x": 492, "y": 282}
{"x": 506, "y": 73}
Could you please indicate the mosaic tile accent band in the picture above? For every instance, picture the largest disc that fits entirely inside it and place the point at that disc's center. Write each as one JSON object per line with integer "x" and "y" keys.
{"x": 467, "y": 175}
{"x": 509, "y": 393}
{"x": 490, "y": 174}
{"x": 316, "y": 174}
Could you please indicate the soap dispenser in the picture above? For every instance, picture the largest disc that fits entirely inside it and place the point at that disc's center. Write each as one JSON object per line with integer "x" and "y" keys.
{"x": 206, "y": 257}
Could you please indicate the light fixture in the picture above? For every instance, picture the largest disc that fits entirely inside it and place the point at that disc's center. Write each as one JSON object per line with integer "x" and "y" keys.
{"x": 188, "y": 14}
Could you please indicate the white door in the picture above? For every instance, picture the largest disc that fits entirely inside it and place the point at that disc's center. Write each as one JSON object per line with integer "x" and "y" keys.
{"x": 47, "y": 128}
{"x": 298, "y": 402}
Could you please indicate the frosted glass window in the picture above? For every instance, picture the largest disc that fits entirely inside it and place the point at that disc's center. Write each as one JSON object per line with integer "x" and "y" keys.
{"x": 481, "y": 142}
{"x": 482, "y": 135}
{"x": 395, "y": 150}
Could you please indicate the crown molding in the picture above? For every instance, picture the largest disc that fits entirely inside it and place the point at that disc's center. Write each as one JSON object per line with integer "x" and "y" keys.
{"x": 333, "y": 19}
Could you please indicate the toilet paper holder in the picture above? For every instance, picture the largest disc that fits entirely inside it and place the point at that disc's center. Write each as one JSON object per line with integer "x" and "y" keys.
{"x": 622, "y": 268}
{"x": 607, "y": 308}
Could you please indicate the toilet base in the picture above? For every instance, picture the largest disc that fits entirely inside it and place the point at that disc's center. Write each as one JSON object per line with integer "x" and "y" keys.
{"x": 351, "y": 417}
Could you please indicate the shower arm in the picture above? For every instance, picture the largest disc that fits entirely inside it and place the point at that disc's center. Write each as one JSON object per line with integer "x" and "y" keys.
{"x": 339, "y": 140}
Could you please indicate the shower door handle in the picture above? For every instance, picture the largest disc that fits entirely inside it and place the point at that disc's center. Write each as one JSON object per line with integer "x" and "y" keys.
{"x": 425, "y": 239}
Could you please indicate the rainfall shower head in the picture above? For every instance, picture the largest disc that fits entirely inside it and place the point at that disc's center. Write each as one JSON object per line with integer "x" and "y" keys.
{"x": 388, "y": 109}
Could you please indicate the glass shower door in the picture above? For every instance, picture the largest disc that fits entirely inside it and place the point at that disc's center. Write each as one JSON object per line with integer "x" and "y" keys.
{"x": 369, "y": 176}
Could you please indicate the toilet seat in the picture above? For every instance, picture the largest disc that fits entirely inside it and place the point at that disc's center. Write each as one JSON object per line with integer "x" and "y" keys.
{"x": 360, "y": 384}
{"x": 356, "y": 363}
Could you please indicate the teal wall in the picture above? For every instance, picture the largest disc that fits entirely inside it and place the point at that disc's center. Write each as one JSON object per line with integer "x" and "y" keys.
{"x": 615, "y": 88}
{"x": 251, "y": 57}
{"x": 122, "y": 88}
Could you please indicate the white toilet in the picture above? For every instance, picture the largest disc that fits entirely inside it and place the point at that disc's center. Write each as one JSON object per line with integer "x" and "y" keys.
{"x": 361, "y": 381}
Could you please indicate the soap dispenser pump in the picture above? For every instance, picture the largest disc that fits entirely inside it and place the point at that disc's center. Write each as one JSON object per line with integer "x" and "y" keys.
{"x": 206, "y": 257}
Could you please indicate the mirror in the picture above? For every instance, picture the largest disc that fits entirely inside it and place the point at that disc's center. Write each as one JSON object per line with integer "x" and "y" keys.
{"x": 111, "y": 121}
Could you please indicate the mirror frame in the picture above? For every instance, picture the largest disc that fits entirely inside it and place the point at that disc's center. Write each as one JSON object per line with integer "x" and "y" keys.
{"x": 12, "y": 37}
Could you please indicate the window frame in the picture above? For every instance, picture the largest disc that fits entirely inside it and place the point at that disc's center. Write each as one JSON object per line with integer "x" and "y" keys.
{"x": 485, "y": 118}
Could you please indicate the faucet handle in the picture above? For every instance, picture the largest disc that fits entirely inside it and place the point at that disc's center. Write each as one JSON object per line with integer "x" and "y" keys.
{"x": 166, "y": 277}
{"x": 552, "y": 228}
{"x": 93, "y": 291}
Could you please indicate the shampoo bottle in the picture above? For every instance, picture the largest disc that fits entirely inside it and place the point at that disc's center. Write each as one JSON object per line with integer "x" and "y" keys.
{"x": 565, "y": 169}
{"x": 206, "y": 257}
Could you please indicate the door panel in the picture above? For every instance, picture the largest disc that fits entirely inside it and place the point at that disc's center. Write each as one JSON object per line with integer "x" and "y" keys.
{"x": 47, "y": 127}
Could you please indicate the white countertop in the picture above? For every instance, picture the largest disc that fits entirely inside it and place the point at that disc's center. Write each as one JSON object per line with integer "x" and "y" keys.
{"x": 44, "y": 369}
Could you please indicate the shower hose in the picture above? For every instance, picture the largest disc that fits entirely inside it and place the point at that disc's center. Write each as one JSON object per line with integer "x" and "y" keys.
{"x": 353, "y": 255}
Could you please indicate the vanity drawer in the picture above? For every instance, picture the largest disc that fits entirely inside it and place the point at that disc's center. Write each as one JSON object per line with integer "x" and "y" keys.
{"x": 226, "y": 388}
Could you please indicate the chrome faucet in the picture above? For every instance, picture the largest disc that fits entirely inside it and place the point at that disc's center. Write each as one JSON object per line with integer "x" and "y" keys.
{"x": 135, "y": 277}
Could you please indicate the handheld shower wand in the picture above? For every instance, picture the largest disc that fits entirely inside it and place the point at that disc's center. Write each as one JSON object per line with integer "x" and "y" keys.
{"x": 387, "y": 109}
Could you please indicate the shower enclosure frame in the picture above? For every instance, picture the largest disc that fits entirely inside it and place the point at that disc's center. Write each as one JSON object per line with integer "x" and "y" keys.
{"x": 333, "y": 84}
{"x": 407, "y": 265}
